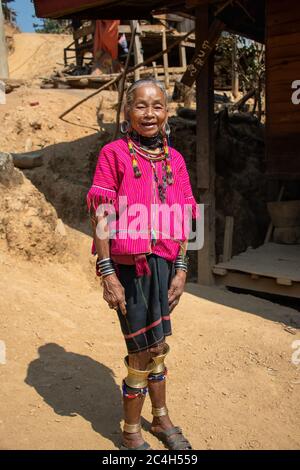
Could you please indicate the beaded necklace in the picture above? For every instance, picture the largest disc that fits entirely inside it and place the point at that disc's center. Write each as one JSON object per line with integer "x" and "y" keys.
{"x": 163, "y": 156}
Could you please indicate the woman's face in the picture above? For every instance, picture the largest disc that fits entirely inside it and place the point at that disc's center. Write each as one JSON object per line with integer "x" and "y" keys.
{"x": 148, "y": 111}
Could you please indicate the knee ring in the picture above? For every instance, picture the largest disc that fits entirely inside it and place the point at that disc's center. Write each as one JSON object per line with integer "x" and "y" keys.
{"x": 136, "y": 382}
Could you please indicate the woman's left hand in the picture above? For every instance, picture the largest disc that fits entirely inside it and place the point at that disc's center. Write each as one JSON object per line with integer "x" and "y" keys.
{"x": 176, "y": 289}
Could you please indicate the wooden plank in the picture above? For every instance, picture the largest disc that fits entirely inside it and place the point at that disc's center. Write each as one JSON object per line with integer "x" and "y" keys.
{"x": 267, "y": 285}
{"x": 188, "y": 44}
{"x": 182, "y": 55}
{"x": 219, "y": 271}
{"x": 255, "y": 276}
{"x": 155, "y": 70}
{"x": 282, "y": 41}
{"x": 165, "y": 59}
{"x": 283, "y": 282}
{"x": 282, "y": 68}
{"x": 235, "y": 73}
{"x": 284, "y": 28}
{"x": 205, "y": 159}
{"x": 270, "y": 228}
{"x": 269, "y": 260}
{"x": 145, "y": 28}
{"x": 138, "y": 56}
{"x": 228, "y": 235}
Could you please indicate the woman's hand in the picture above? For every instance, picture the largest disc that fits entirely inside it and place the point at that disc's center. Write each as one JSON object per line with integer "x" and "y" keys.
{"x": 114, "y": 293}
{"x": 176, "y": 289}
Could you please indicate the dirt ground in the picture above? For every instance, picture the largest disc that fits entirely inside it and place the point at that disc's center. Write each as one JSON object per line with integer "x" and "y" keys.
{"x": 231, "y": 383}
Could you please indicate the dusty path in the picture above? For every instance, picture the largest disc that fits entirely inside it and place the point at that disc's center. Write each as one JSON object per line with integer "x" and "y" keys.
{"x": 231, "y": 381}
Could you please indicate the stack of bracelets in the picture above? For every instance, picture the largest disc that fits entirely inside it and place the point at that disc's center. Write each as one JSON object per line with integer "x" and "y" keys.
{"x": 182, "y": 262}
{"x": 104, "y": 267}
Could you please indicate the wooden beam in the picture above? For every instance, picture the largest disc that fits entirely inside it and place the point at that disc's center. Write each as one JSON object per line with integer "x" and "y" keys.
{"x": 205, "y": 160}
{"x": 235, "y": 73}
{"x": 122, "y": 84}
{"x": 262, "y": 284}
{"x": 219, "y": 271}
{"x": 228, "y": 235}
{"x": 138, "y": 56}
{"x": 270, "y": 228}
{"x": 166, "y": 60}
{"x": 155, "y": 70}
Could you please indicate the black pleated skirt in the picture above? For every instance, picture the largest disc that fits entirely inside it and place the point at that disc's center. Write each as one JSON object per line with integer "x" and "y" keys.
{"x": 148, "y": 319}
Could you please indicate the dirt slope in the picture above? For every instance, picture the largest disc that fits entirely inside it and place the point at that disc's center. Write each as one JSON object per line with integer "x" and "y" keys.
{"x": 36, "y": 55}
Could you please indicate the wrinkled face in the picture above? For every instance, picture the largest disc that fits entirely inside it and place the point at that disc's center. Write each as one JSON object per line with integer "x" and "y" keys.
{"x": 148, "y": 111}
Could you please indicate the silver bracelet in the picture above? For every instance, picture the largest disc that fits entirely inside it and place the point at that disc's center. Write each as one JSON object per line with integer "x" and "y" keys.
{"x": 182, "y": 263}
{"x": 104, "y": 267}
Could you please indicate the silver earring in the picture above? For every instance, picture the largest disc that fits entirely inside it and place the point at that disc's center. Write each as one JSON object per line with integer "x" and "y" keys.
{"x": 125, "y": 126}
{"x": 167, "y": 129}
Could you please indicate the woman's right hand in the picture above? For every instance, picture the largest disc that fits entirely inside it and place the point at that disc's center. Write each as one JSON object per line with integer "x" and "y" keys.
{"x": 114, "y": 293}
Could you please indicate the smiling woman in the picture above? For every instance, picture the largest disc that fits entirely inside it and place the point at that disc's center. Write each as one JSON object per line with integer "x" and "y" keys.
{"x": 143, "y": 272}
{"x": 146, "y": 108}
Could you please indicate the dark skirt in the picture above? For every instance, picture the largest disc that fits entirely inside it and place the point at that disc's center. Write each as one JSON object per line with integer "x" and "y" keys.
{"x": 148, "y": 319}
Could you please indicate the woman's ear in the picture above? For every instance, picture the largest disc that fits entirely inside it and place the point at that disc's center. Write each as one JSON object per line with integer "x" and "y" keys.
{"x": 126, "y": 113}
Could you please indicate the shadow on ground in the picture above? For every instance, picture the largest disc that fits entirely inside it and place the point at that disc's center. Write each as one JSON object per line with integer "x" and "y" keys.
{"x": 282, "y": 311}
{"x": 73, "y": 384}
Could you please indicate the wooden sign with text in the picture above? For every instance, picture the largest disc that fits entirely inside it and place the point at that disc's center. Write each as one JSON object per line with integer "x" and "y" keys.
{"x": 202, "y": 54}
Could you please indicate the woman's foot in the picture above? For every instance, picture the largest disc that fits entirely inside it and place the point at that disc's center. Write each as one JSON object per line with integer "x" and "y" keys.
{"x": 161, "y": 423}
{"x": 132, "y": 440}
{"x": 169, "y": 434}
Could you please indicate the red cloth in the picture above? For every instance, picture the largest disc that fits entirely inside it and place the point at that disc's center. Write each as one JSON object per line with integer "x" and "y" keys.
{"x": 106, "y": 37}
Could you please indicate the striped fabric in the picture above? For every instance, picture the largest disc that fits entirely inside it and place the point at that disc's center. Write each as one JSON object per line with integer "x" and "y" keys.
{"x": 148, "y": 319}
{"x": 114, "y": 180}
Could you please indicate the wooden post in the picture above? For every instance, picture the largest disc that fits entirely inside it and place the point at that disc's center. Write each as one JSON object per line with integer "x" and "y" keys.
{"x": 205, "y": 151}
{"x": 166, "y": 61}
{"x": 3, "y": 49}
{"x": 235, "y": 74}
{"x": 182, "y": 56}
{"x": 155, "y": 70}
{"x": 228, "y": 237}
{"x": 138, "y": 56}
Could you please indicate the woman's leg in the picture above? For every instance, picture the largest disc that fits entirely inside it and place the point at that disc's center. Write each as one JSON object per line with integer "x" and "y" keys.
{"x": 133, "y": 399}
{"x": 157, "y": 392}
{"x": 162, "y": 426}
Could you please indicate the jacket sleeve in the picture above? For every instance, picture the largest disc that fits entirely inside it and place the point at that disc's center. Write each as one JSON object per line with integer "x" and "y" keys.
{"x": 188, "y": 193}
{"x": 105, "y": 184}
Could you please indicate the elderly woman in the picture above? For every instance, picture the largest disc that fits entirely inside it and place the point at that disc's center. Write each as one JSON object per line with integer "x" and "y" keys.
{"x": 143, "y": 265}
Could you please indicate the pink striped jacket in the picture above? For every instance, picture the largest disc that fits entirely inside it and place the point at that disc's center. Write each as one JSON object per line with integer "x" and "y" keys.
{"x": 154, "y": 232}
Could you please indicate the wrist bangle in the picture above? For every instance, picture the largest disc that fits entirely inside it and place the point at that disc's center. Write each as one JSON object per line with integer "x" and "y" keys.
{"x": 182, "y": 262}
{"x": 104, "y": 267}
